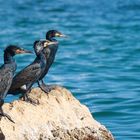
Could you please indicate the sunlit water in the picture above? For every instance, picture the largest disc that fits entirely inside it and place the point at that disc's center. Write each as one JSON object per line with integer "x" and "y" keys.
{"x": 99, "y": 62}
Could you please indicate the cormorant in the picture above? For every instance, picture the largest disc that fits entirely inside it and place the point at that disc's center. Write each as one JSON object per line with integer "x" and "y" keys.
{"x": 7, "y": 71}
{"x": 52, "y": 49}
{"x": 24, "y": 80}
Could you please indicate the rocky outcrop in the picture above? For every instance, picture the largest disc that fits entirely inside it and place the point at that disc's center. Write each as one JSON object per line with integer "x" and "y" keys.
{"x": 58, "y": 116}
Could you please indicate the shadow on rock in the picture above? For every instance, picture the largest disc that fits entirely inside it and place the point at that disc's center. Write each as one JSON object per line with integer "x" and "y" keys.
{"x": 2, "y": 137}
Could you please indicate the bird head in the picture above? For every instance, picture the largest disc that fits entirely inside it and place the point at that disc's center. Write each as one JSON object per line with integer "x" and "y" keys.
{"x": 54, "y": 33}
{"x": 40, "y": 44}
{"x": 13, "y": 50}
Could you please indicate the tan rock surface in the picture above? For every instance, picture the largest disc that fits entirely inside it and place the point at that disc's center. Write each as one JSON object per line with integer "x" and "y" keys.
{"x": 58, "y": 116}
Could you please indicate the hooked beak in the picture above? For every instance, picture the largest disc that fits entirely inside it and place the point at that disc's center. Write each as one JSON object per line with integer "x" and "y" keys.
{"x": 62, "y": 35}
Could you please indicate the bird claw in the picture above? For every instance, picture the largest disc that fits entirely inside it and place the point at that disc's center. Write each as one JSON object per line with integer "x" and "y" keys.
{"x": 48, "y": 88}
{"x": 34, "y": 102}
{"x": 2, "y": 114}
{"x": 30, "y": 100}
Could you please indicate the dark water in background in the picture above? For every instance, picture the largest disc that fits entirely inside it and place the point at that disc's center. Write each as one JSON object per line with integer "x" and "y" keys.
{"x": 99, "y": 63}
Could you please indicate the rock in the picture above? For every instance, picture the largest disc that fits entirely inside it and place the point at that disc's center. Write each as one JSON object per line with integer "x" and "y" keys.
{"x": 59, "y": 116}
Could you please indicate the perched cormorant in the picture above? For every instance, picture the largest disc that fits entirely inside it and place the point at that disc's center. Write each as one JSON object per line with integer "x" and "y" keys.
{"x": 24, "y": 80}
{"x": 50, "y": 35}
{"x": 7, "y": 71}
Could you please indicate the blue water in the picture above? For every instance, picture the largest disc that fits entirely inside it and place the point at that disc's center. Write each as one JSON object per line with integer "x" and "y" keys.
{"x": 99, "y": 63}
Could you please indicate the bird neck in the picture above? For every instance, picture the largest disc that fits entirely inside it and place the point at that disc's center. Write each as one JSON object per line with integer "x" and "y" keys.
{"x": 41, "y": 58}
{"x": 49, "y": 37}
{"x": 8, "y": 58}
{"x": 10, "y": 61}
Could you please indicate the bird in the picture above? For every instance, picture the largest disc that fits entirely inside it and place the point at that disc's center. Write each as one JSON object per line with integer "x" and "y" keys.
{"x": 24, "y": 80}
{"x": 7, "y": 71}
{"x": 52, "y": 49}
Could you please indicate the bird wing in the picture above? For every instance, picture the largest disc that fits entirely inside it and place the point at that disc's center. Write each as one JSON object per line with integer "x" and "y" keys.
{"x": 26, "y": 76}
{"x": 6, "y": 76}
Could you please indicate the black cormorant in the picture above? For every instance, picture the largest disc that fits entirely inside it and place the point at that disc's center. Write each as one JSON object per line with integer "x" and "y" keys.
{"x": 52, "y": 49}
{"x": 24, "y": 80}
{"x": 7, "y": 71}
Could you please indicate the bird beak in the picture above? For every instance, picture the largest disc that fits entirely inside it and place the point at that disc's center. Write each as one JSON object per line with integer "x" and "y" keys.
{"x": 25, "y": 51}
{"x": 65, "y": 36}
{"x": 62, "y": 35}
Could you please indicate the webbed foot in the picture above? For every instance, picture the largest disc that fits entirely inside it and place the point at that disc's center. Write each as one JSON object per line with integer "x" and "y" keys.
{"x": 47, "y": 88}
{"x": 30, "y": 100}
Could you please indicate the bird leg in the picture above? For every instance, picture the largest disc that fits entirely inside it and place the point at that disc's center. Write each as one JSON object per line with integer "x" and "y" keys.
{"x": 2, "y": 114}
{"x": 45, "y": 88}
{"x": 26, "y": 98}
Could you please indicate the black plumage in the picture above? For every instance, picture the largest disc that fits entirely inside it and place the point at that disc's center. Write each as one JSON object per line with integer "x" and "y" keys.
{"x": 24, "y": 80}
{"x": 52, "y": 49}
{"x": 7, "y": 71}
